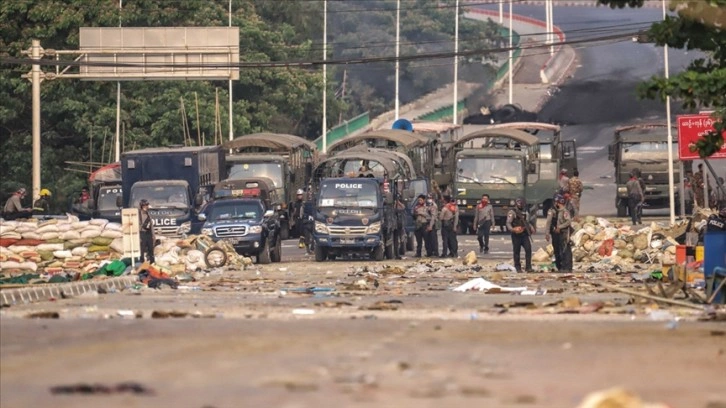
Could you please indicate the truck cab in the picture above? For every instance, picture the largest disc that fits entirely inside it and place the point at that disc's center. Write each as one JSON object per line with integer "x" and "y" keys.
{"x": 644, "y": 148}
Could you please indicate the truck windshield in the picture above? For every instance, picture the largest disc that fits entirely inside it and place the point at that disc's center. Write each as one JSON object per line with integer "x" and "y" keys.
{"x": 107, "y": 198}
{"x": 272, "y": 171}
{"x": 174, "y": 196}
{"x": 221, "y": 211}
{"x": 648, "y": 151}
{"x": 490, "y": 170}
{"x": 348, "y": 194}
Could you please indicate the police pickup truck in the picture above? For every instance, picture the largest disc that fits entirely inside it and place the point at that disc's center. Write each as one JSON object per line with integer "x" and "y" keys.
{"x": 246, "y": 222}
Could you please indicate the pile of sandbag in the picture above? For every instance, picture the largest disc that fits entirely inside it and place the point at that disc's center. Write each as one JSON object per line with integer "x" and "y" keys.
{"x": 598, "y": 239}
{"x": 69, "y": 245}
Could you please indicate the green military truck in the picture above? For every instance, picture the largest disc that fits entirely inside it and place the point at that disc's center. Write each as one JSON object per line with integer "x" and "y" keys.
{"x": 287, "y": 160}
{"x": 644, "y": 148}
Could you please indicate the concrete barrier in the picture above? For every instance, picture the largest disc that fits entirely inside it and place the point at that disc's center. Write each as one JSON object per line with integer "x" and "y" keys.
{"x": 47, "y": 291}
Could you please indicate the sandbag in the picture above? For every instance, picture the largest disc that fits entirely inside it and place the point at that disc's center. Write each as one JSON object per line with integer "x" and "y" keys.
{"x": 46, "y": 255}
{"x": 16, "y": 249}
{"x": 47, "y": 228}
{"x": 101, "y": 241}
{"x": 6, "y": 242}
{"x": 541, "y": 256}
{"x": 113, "y": 226}
{"x": 111, "y": 234}
{"x": 72, "y": 244}
{"x": 62, "y": 254}
{"x": 9, "y": 265}
{"x": 79, "y": 251}
{"x": 30, "y": 242}
{"x": 15, "y": 258}
{"x": 53, "y": 269}
{"x": 101, "y": 222}
{"x": 98, "y": 248}
{"x": 31, "y": 235}
{"x": 28, "y": 266}
{"x": 64, "y": 227}
{"x": 117, "y": 245}
{"x": 7, "y": 226}
{"x": 10, "y": 235}
{"x": 70, "y": 235}
{"x": 47, "y": 236}
{"x": 79, "y": 225}
{"x": 90, "y": 232}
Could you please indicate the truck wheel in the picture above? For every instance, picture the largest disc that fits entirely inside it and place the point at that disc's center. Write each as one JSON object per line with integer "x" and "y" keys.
{"x": 264, "y": 256}
{"x": 378, "y": 253}
{"x": 320, "y": 253}
{"x": 284, "y": 230}
{"x": 622, "y": 210}
{"x": 410, "y": 242}
{"x": 215, "y": 257}
{"x": 276, "y": 253}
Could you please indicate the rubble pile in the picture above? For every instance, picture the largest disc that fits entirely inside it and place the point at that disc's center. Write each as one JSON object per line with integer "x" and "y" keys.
{"x": 71, "y": 246}
{"x": 600, "y": 240}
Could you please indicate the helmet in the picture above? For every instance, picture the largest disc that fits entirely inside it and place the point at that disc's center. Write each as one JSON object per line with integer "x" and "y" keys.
{"x": 560, "y": 199}
{"x": 722, "y": 211}
{"x": 299, "y": 191}
{"x": 45, "y": 192}
{"x": 519, "y": 202}
{"x": 143, "y": 202}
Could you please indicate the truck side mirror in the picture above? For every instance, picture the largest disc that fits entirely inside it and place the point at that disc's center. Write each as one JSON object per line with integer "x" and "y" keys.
{"x": 202, "y": 217}
{"x": 268, "y": 214}
{"x": 611, "y": 152}
{"x": 119, "y": 201}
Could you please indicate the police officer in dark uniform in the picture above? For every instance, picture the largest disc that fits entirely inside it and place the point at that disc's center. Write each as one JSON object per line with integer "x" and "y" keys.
{"x": 562, "y": 231}
{"x": 550, "y": 234}
{"x": 717, "y": 222}
{"x": 518, "y": 223}
{"x": 146, "y": 232}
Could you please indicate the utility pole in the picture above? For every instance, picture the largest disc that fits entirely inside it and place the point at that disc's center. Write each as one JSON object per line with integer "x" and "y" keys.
{"x": 117, "y": 156}
{"x": 456, "y": 64}
{"x": 511, "y": 55}
{"x": 398, "y": 49}
{"x": 231, "y": 124}
{"x": 325, "y": 76}
{"x": 36, "y": 76}
{"x": 671, "y": 179}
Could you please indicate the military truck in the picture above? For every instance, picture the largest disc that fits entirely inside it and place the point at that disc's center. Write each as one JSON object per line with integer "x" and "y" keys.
{"x": 644, "y": 148}
{"x": 176, "y": 181}
{"x": 359, "y": 204}
{"x": 287, "y": 160}
{"x": 504, "y": 163}
{"x": 104, "y": 188}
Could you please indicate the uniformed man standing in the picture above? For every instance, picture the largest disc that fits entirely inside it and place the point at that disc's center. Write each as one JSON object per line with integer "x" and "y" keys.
{"x": 562, "y": 230}
{"x": 146, "y": 232}
{"x": 422, "y": 221}
{"x": 635, "y": 197}
{"x": 551, "y": 235}
{"x": 518, "y": 224}
{"x": 432, "y": 238}
{"x": 575, "y": 190}
{"x": 449, "y": 216}
{"x": 483, "y": 223}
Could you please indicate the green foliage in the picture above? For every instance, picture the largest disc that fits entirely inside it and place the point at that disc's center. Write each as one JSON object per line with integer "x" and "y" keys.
{"x": 698, "y": 25}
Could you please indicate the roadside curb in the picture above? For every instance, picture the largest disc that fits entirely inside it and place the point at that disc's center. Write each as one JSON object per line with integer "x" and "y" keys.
{"x": 46, "y": 292}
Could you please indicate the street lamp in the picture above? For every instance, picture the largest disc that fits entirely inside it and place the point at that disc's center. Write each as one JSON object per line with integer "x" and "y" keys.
{"x": 671, "y": 181}
{"x": 511, "y": 54}
{"x": 325, "y": 76}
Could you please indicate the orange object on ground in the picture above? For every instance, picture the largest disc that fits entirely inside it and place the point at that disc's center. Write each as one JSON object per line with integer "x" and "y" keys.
{"x": 153, "y": 272}
{"x": 606, "y": 248}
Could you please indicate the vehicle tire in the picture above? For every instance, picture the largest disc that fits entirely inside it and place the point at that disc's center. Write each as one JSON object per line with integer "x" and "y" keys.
{"x": 276, "y": 253}
{"x": 215, "y": 257}
{"x": 410, "y": 242}
{"x": 263, "y": 257}
{"x": 284, "y": 230}
{"x": 320, "y": 254}
{"x": 378, "y": 253}
{"x": 622, "y": 210}
{"x": 389, "y": 249}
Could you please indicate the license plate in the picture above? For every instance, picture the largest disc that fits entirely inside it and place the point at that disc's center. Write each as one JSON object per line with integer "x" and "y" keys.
{"x": 231, "y": 241}
{"x": 347, "y": 240}
{"x": 469, "y": 207}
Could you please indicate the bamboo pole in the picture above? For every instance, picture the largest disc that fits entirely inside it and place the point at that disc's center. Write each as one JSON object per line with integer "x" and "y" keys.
{"x": 199, "y": 132}
{"x": 651, "y": 297}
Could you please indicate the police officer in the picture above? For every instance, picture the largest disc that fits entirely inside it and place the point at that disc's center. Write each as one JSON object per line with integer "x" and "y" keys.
{"x": 550, "y": 234}
{"x": 146, "y": 232}
{"x": 449, "y": 216}
{"x": 635, "y": 196}
{"x": 42, "y": 204}
{"x": 297, "y": 217}
{"x": 562, "y": 231}
{"x": 575, "y": 190}
{"x": 564, "y": 181}
{"x": 308, "y": 223}
{"x": 518, "y": 224}
{"x": 432, "y": 237}
{"x": 717, "y": 222}
{"x": 483, "y": 223}
{"x": 422, "y": 221}
{"x": 14, "y": 206}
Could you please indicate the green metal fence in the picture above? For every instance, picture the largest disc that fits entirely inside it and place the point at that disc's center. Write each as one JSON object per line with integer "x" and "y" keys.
{"x": 344, "y": 129}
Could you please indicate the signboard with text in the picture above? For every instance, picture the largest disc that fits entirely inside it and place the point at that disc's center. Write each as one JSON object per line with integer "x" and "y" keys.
{"x": 690, "y": 129}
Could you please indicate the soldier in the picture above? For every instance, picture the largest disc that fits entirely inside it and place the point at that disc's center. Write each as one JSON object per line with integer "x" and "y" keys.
{"x": 449, "y": 216}
{"x": 564, "y": 181}
{"x": 432, "y": 238}
{"x": 563, "y": 230}
{"x": 422, "y": 220}
{"x": 146, "y": 231}
{"x": 635, "y": 197}
{"x": 575, "y": 189}
{"x": 518, "y": 223}
{"x": 550, "y": 226}
{"x": 483, "y": 223}
{"x": 688, "y": 193}
{"x": 298, "y": 220}
{"x": 697, "y": 185}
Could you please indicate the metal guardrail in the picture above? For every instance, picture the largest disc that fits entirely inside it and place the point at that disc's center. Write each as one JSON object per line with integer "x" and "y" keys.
{"x": 48, "y": 291}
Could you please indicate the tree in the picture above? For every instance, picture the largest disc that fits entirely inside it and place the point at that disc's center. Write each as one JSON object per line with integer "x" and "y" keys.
{"x": 697, "y": 25}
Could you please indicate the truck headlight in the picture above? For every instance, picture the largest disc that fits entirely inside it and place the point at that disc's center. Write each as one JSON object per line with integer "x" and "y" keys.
{"x": 622, "y": 190}
{"x": 207, "y": 231}
{"x": 374, "y": 228}
{"x": 184, "y": 228}
{"x": 256, "y": 229}
{"x": 321, "y": 228}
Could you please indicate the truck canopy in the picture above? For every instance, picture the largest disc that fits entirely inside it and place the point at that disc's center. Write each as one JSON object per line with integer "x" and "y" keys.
{"x": 272, "y": 142}
{"x": 386, "y": 138}
{"x": 376, "y": 163}
{"x": 110, "y": 173}
{"x": 645, "y": 132}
